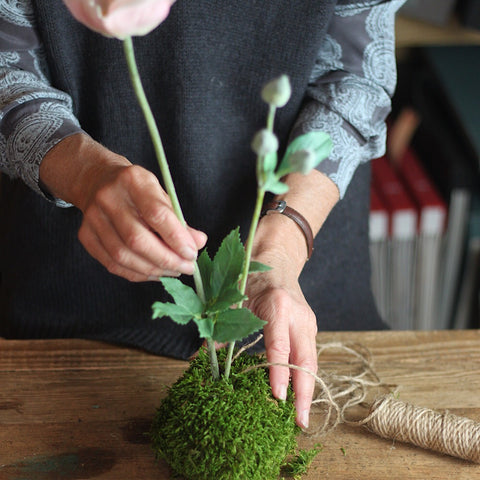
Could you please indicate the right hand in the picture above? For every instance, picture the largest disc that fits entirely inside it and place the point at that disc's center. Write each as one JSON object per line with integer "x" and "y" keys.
{"x": 128, "y": 222}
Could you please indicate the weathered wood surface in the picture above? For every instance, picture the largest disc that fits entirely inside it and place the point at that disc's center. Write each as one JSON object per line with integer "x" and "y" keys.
{"x": 72, "y": 409}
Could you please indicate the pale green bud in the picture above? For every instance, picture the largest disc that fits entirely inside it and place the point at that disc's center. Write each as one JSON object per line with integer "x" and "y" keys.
{"x": 302, "y": 161}
{"x": 277, "y": 92}
{"x": 264, "y": 142}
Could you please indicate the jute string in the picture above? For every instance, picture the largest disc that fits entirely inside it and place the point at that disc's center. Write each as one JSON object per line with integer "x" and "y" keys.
{"x": 340, "y": 395}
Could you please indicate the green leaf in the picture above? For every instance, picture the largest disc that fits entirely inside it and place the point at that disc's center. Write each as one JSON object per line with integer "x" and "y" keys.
{"x": 205, "y": 327}
{"x": 227, "y": 264}
{"x": 318, "y": 142}
{"x": 258, "y": 267}
{"x": 275, "y": 186}
{"x": 205, "y": 267}
{"x": 183, "y": 296}
{"x": 236, "y": 324}
{"x": 269, "y": 162}
{"x": 176, "y": 312}
{"x": 225, "y": 300}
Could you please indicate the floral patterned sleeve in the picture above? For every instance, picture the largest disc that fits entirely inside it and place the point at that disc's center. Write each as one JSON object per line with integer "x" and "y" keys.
{"x": 351, "y": 86}
{"x": 33, "y": 115}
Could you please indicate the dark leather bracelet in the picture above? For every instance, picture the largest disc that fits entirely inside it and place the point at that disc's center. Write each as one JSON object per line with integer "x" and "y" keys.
{"x": 282, "y": 208}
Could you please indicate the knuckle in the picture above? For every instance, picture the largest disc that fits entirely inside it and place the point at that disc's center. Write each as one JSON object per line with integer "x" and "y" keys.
{"x": 135, "y": 241}
{"x": 309, "y": 364}
{"x": 103, "y": 198}
{"x": 113, "y": 267}
{"x": 119, "y": 256}
{"x": 137, "y": 176}
{"x": 157, "y": 215}
{"x": 279, "y": 348}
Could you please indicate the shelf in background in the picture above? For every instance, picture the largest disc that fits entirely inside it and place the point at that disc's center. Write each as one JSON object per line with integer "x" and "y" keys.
{"x": 413, "y": 33}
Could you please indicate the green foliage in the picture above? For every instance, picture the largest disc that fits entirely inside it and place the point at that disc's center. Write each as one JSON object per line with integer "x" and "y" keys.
{"x": 258, "y": 267}
{"x": 214, "y": 317}
{"x": 317, "y": 142}
{"x": 225, "y": 430}
{"x": 300, "y": 464}
{"x": 235, "y": 324}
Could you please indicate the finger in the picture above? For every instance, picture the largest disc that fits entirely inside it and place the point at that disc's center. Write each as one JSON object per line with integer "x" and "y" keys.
{"x": 137, "y": 241}
{"x": 200, "y": 238}
{"x": 155, "y": 209}
{"x": 95, "y": 248}
{"x": 277, "y": 344}
{"x": 304, "y": 355}
{"x": 110, "y": 251}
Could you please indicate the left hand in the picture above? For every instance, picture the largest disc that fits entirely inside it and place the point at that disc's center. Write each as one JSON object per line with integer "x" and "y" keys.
{"x": 290, "y": 336}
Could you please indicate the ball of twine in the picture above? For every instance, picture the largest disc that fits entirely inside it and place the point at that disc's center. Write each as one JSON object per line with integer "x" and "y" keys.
{"x": 338, "y": 394}
{"x": 441, "y": 432}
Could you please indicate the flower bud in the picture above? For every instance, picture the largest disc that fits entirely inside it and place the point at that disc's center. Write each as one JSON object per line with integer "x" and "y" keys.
{"x": 302, "y": 161}
{"x": 277, "y": 92}
{"x": 264, "y": 142}
{"x": 120, "y": 18}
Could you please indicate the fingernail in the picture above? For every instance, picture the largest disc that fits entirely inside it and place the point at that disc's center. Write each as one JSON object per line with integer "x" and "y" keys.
{"x": 187, "y": 268}
{"x": 304, "y": 418}
{"x": 166, "y": 273}
{"x": 171, "y": 273}
{"x": 282, "y": 392}
{"x": 188, "y": 253}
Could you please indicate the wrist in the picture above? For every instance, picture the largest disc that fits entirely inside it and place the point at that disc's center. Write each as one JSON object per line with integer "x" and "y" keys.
{"x": 72, "y": 167}
{"x": 280, "y": 244}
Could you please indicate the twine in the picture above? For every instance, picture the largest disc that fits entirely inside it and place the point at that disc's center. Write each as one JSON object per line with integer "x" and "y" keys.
{"x": 441, "y": 432}
{"x": 339, "y": 394}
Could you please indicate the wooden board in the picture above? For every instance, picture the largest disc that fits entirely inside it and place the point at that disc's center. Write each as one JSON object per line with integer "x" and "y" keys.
{"x": 72, "y": 409}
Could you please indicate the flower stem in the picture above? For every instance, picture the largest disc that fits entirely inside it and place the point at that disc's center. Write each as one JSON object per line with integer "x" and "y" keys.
{"x": 212, "y": 353}
{"x": 246, "y": 265}
{"x": 152, "y": 127}
{"x": 161, "y": 159}
{"x": 251, "y": 234}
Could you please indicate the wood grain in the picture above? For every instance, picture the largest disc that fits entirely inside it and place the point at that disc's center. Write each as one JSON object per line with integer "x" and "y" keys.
{"x": 73, "y": 409}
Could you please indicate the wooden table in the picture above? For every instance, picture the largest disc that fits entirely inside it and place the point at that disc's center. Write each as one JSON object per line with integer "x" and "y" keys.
{"x": 72, "y": 409}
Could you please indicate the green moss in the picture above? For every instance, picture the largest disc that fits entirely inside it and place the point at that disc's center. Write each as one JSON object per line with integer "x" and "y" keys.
{"x": 229, "y": 429}
{"x": 300, "y": 464}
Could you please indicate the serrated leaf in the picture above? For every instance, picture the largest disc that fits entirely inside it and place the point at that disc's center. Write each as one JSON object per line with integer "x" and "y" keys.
{"x": 225, "y": 300}
{"x": 176, "y": 312}
{"x": 205, "y": 267}
{"x": 318, "y": 142}
{"x": 258, "y": 267}
{"x": 183, "y": 296}
{"x": 227, "y": 264}
{"x": 275, "y": 186}
{"x": 205, "y": 327}
{"x": 236, "y": 324}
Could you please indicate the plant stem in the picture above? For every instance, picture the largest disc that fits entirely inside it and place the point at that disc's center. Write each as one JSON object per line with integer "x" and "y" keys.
{"x": 212, "y": 353}
{"x": 246, "y": 265}
{"x": 162, "y": 162}
{"x": 152, "y": 127}
{"x": 251, "y": 234}
{"x": 271, "y": 116}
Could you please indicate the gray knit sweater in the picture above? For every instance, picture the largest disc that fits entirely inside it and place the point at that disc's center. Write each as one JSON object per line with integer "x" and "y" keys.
{"x": 202, "y": 69}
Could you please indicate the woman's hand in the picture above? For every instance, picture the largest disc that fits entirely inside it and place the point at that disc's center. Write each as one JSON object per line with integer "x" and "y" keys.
{"x": 128, "y": 223}
{"x": 290, "y": 335}
{"x": 276, "y": 297}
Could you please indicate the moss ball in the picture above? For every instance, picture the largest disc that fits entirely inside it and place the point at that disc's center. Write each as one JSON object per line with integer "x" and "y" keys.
{"x": 226, "y": 429}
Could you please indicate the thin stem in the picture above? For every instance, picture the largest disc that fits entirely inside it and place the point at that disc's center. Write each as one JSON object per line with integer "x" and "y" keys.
{"x": 212, "y": 353}
{"x": 271, "y": 116}
{"x": 152, "y": 127}
{"x": 251, "y": 234}
{"x": 158, "y": 146}
{"x": 246, "y": 266}
{"x": 159, "y": 152}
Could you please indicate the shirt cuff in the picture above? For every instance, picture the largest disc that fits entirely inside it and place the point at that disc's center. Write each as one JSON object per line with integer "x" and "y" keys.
{"x": 36, "y": 128}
